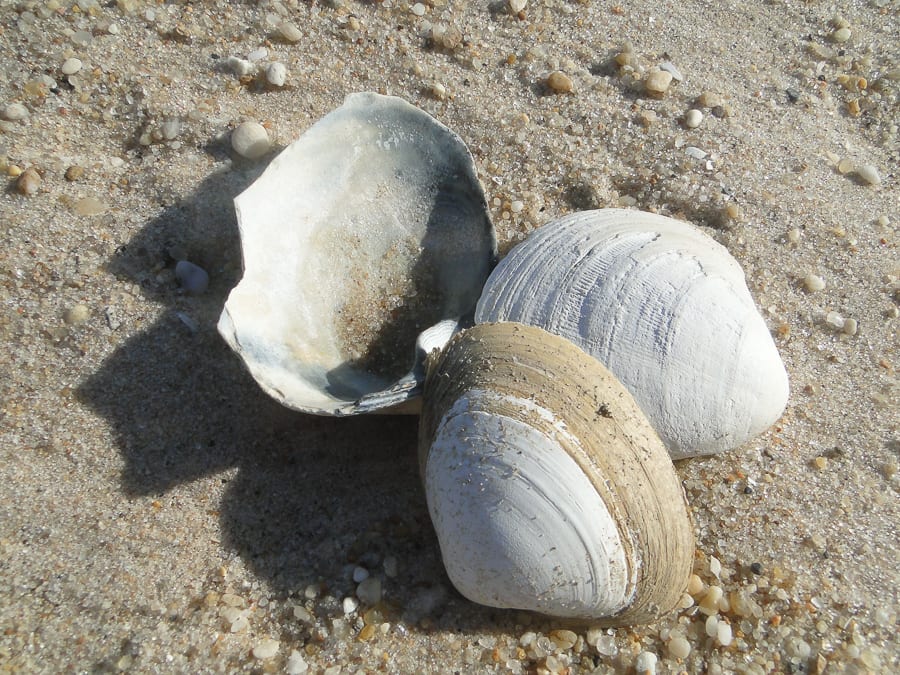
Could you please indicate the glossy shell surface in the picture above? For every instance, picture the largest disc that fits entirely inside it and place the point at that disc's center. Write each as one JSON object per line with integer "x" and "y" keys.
{"x": 361, "y": 234}
{"x": 547, "y": 487}
{"x": 664, "y": 307}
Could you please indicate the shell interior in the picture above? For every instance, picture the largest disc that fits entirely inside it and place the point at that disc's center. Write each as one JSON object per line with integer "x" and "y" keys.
{"x": 664, "y": 307}
{"x": 547, "y": 487}
{"x": 369, "y": 228}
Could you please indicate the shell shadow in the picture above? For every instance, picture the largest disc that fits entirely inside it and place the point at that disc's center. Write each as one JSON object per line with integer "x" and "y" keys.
{"x": 305, "y": 495}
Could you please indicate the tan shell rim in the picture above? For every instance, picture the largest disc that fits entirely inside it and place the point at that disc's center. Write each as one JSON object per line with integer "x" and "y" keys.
{"x": 622, "y": 455}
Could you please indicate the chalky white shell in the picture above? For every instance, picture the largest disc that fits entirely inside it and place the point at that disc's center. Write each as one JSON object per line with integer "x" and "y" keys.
{"x": 664, "y": 307}
{"x": 361, "y": 234}
{"x": 547, "y": 487}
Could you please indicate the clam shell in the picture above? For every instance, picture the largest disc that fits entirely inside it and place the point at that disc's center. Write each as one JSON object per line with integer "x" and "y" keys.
{"x": 664, "y": 307}
{"x": 361, "y": 234}
{"x": 547, "y": 487}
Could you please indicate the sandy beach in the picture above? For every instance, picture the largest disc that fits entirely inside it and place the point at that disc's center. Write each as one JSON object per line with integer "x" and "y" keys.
{"x": 160, "y": 513}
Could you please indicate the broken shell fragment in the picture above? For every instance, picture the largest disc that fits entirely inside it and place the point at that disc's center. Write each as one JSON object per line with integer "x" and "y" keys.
{"x": 664, "y": 307}
{"x": 361, "y": 234}
{"x": 547, "y": 487}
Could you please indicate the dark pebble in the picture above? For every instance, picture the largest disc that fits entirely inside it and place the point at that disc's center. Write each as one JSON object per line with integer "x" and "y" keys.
{"x": 756, "y": 568}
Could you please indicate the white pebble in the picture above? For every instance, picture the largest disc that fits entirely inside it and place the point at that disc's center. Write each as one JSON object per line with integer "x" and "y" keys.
{"x": 813, "y": 283}
{"x": 77, "y": 315}
{"x": 516, "y": 6}
{"x": 296, "y": 664}
{"x": 658, "y": 82}
{"x": 250, "y": 140}
{"x": 238, "y": 66}
{"x": 276, "y": 74}
{"x": 841, "y": 35}
{"x": 694, "y": 152}
{"x": 516, "y": 206}
{"x": 646, "y": 663}
{"x": 192, "y": 278}
{"x": 670, "y": 68}
{"x": 679, "y": 647}
{"x": 266, "y": 648}
{"x": 258, "y": 54}
{"x": 869, "y": 174}
{"x": 712, "y": 626}
{"x": 850, "y": 326}
{"x": 350, "y": 605}
{"x": 715, "y": 567}
{"x": 418, "y": 9}
{"x": 693, "y": 118}
{"x": 723, "y": 634}
{"x": 70, "y": 66}
{"x": 834, "y": 320}
{"x": 290, "y": 32}
{"x": 14, "y": 112}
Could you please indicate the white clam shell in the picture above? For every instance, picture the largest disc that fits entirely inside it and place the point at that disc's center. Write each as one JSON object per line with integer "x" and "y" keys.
{"x": 664, "y": 307}
{"x": 547, "y": 487}
{"x": 361, "y": 234}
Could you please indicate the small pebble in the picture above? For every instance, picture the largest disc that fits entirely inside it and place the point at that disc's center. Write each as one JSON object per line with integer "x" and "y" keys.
{"x": 296, "y": 664}
{"x": 89, "y": 206}
{"x": 238, "y": 66}
{"x": 390, "y": 566}
{"x": 869, "y": 174}
{"x": 350, "y": 605}
{"x": 74, "y": 173}
{"x": 821, "y": 463}
{"x": 29, "y": 181}
{"x": 15, "y": 112}
{"x": 418, "y": 9}
{"x": 369, "y": 591}
{"x": 715, "y": 567}
{"x": 710, "y": 603}
{"x": 257, "y": 54}
{"x": 360, "y": 574}
{"x": 834, "y": 320}
{"x": 657, "y": 82}
{"x": 794, "y": 235}
{"x": 77, "y": 315}
{"x": 266, "y": 648}
{"x": 694, "y": 152}
{"x": 250, "y": 140}
{"x": 850, "y": 326}
{"x": 516, "y": 6}
{"x": 70, "y": 66}
{"x": 756, "y": 568}
{"x": 439, "y": 91}
{"x": 670, "y": 68}
{"x": 679, "y": 647}
{"x": 646, "y": 663}
{"x": 695, "y": 585}
{"x": 276, "y": 74}
{"x": 693, "y": 118}
{"x": 290, "y": 32}
{"x": 813, "y": 283}
{"x": 711, "y": 626}
{"x": 841, "y": 35}
{"x": 192, "y": 278}
{"x": 724, "y": 634}
{"x": 559, "y": 82}
{"x": 709, "y": 99}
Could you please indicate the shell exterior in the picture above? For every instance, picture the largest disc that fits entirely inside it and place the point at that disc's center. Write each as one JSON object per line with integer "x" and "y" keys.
{"x": 368, "y": 229}
{"x": 547, "y": 487}
{"x": 664, "y": 307}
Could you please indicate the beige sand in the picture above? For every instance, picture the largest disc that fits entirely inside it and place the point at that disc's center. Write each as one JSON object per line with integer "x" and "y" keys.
{"x": 158, "y": 513}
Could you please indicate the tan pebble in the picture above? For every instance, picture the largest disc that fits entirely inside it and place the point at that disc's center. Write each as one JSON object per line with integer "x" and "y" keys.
{"x": 813, "y": 283}
{"x": 844, "y": 166}
{"x": 564, "y": 639}
{"x": 695, "y": 585}
{"x": 851, "y": 326}
{"x": 559, "y": 82}
{"x": 853, "y": 107}
{"x": 841, "y": 35}
{"x": 679, "y": 648}
{"x": 821, "y": 462}
{"x": 290, "y": 32}
{"x": 13, "y": 171}
{"x": 77, "y": 315}
{"x": 74, "y": 173}
{"x": 657, "y": 82}
{"x": 693, "y": 118}
{"x": 89, "y": 206}
{"x": 710, "y": 602}
{"x": 709, "y": 99}
{"x": 29, "y": 182}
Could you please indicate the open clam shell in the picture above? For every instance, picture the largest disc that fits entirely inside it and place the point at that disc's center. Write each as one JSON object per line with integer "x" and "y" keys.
{"x": 547, "y": 487}
{"x": 363, "y": 233}
{"x": 664, "y": 307}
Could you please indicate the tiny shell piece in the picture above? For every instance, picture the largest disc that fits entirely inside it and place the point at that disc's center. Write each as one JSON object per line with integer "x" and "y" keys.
{"x": 664, "y": 307}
